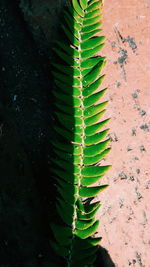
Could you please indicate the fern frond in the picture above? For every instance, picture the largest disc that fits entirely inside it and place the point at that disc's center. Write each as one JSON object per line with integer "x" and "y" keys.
{"x": 80, "y": 142}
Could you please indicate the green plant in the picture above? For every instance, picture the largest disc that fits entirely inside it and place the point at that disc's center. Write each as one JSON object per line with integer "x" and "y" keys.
{"x": 80, "y": 142}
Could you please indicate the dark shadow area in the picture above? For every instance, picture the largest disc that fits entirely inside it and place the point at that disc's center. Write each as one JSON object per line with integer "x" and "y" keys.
{"x": 27, "y": 116}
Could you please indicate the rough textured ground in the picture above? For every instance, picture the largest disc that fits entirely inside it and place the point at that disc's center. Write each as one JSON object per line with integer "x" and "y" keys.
{"x": 125, "y": 215}
{"x": 25, "y": 52}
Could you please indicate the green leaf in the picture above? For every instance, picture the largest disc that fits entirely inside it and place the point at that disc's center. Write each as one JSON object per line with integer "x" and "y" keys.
{"x": 91, "y": 62}
{"x": 87, "y": 232}
{"x": 91, "y": 28}
{"x": 77, "y": 8}
{"x": 93, "y": 99}
{"x": 94, "y": 6}
{"x": 86, "y": 36}
{"x": 94, "y": 119}
{"x": 93, "y": 42}
{"x": 87, "y": 208}
{"x": 93, "y": 171}
{"x": 96, "y": 138}
{"x": 92, "y": 20}
{"x": 94, "y": 74}
{"x": 85, "y": 181}
{"x": 92, "y": 52}
{"x": 96, "y": 149}
{"x": 92, "y": 14}
{"x": 89, "y": 90}
{"x": 95, "y": 159}
{"x": 83, "y": 4}
{"x": 75, "y": 15}
{"x": 91, "y": 191}
{"x": 88, "y": 216}
{"x": 82, "y": 225}
{"x": 90, "y": 130}
{"x": 93, "y": 110}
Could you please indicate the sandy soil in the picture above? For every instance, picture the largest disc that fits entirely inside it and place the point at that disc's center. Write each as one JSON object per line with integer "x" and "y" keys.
{"x": 125, "y": 214}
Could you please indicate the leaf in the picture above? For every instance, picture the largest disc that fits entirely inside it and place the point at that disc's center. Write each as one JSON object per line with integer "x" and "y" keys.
{"x": 93, "y": 99}
{"x": 88, "y": 216}
{"x": 96, "y": 138}
{"x": 85, "y": 181}
{"x": 96, "y": 149}
{"x": 92, "y": 14}
{"x": 77, "y": 8}
{"x": 95, "y": 170}
{"x": 87, "y": 232}
{"x": 87, "y": 208}
{"x": 91, "y": 191}
{"x": 90, "y": 28}
{"x": 82, "y": 225}
{"x": 92, "y": 20}
{"x": 93, "y": 110}
{"x": 94, "y": 119}
{"x": 94, "y": 6}
{"x": 94, "y": 74}
{"x": 91, "y": 52}
{"x": 93, "y": 42}
{"x": 86, "y": 36}
{"x": 90, "y": 130}
{"x": 91, "y": 62}
{"x": 95, "y": 159}
{"x": 89, "y": 90}
{"x": 83, "y": 4}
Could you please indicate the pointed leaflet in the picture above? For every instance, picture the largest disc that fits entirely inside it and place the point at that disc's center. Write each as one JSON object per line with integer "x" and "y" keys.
{"x": 87, "y": 232}
{"x": 83, "y": 4}
{"x": 85, "y": 181}
{"x": 93, "y": 110}
{"x": 95, "y": 170}
{"x": 78, "y": 8}
{"x": 93, "y": 99}
{"x": 92, "y": 20}
{"x": 96, "y": 138}
{"x": 91, "y": 43}
{"x": 91, "y": 191}
{"x": 95, "y": 159}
